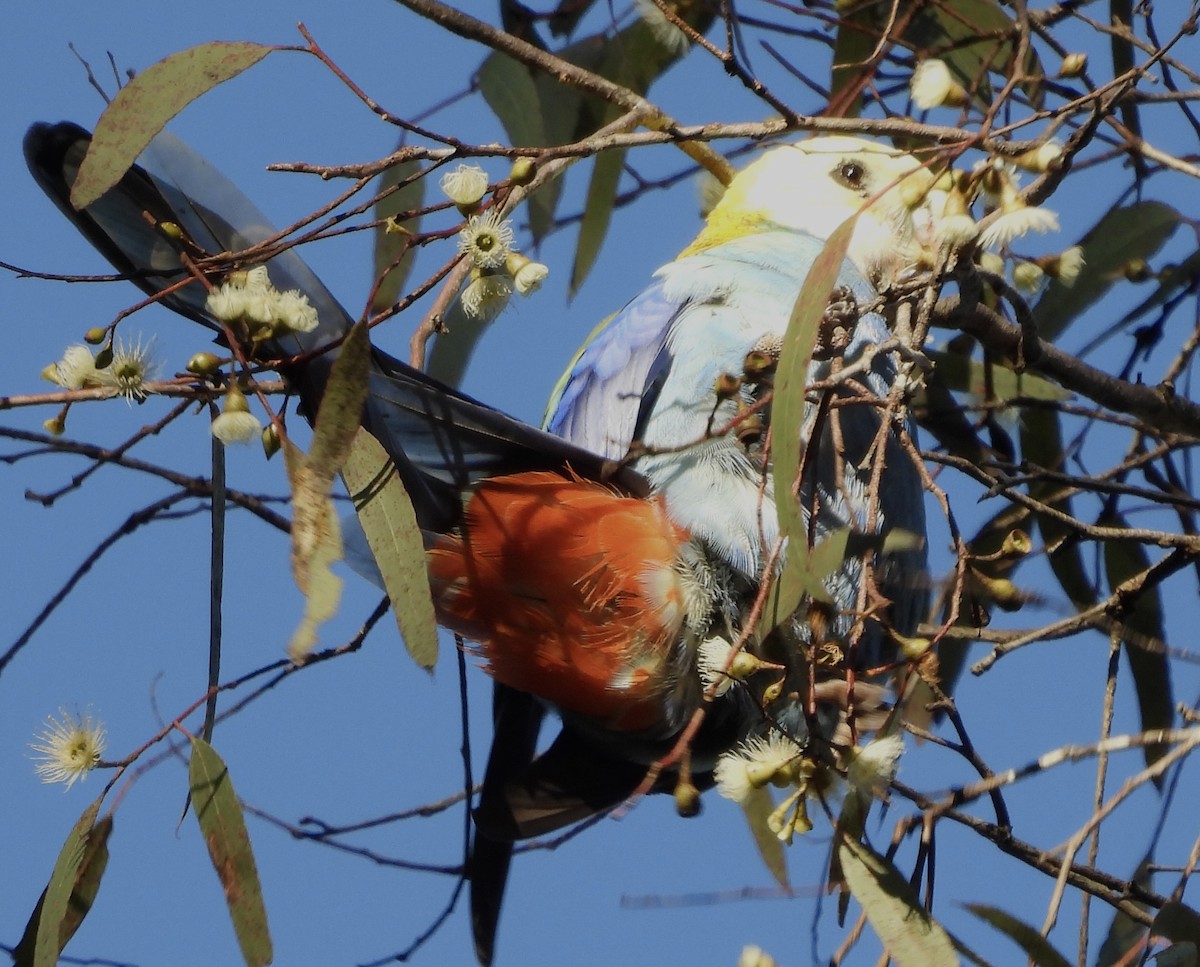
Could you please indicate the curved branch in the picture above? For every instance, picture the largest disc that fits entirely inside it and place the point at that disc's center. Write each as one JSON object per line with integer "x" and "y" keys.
{"x": 1158, "y": 406}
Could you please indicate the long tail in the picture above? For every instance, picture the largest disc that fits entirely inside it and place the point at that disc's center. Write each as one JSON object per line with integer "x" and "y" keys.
{"x": 441, "y": 440}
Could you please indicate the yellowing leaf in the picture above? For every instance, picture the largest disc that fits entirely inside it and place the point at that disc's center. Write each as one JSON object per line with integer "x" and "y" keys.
{"x": 224, "y": 830}
{"x": 144, "y": 106}
{"x": 316, "y": 534}
{"x": 390, "y": 525}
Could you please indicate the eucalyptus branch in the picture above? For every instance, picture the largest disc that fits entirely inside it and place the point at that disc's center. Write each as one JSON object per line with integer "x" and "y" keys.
{"x": 1159, "y": 406}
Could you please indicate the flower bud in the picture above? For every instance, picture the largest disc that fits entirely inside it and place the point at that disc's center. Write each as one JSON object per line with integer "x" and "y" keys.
{"x": 1073, "y": 65}
{"x": 1042, "y": 158}
{"x": 527, "y": 274}
{"x": 932, "y": 85}
{"x": 1016, "y": 544}
{"x": 1028, "y": 277}
{"x": 95, "y": 336}
{"x": 204, "y": 364}
{"x": 1137, "y": 270}
{"x": 687, "y": 799}
{"x": 523, "y": 170}
{"x": 759, "y": 364}
{"x": 726, "y": 385}
{"x": 270, "y": 440}
{"x": 1002, "y": 591}
{"x": 912, "y": 649}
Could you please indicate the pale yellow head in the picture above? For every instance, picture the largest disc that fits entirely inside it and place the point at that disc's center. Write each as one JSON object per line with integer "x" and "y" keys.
{"x": 815, "y": 185}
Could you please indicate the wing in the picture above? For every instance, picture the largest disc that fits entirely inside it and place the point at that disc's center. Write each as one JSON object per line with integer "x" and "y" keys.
{"x": 441, "y": 440}
{"x": 606, "y": 389}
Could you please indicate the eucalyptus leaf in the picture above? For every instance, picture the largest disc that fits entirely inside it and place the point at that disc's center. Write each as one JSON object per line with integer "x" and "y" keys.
{"x": 1142, "y": 636}
{"x": 393, "y": 255}
{"x": 390, "y": 525}
{"x": 69, "y": 894}
{"x": 911, "y": 936}
{"x": 1122, "y": 235}
{"x": 1037, "y": 948}
{"x": 224, "y": 830}
{"x": 143, "y": 107}
{"x": 316, "y": 533}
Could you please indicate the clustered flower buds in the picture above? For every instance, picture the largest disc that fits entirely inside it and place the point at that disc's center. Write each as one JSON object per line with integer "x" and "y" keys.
{"x": 994, "y": 186}
{"x": 497, "y": 271}
{"x": 249, "y": 301}
{"x": 773, "y": 758}
{"x": 743, "y": 773}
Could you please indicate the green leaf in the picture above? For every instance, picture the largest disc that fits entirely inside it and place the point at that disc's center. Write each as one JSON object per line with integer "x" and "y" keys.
{"x": 1125, "y": 933}
{"x": 83, "y": 895}
{"x": 1122, "y": 235}
{"x": 1121, "y": 16}
{"x": 316, "y": 534}
{"x": 536, "y": 109}
{"x": 144, "y": 106}
{"x": 791, "y": 381}
{"x": 1142, "y": 635}
{"x": 452, "y": 350}
{"x": 857, "y": 30}
{"x": 911, "y": 936}
{"x": 68, "y": 896}
{"x": 968, "y": 375}
{"x": 393, "y": 246}
{"x": 340, "y": 414}
{"x": 1041, "y": 444}
{"x": 508, "y": 88}
{"x": 1177, "y": 922}
{"x": 964, "y": 35}
{"x": 1036, "y": 947}
{"x": 224, "y": 830}
{"x": 530, "y": 119}
{"x": 597, "y": 214}
{"x": 634, "y": 58}
{"x": 390, "y": 524}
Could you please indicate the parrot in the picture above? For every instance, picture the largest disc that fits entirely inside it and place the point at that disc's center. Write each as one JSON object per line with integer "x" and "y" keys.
{"x": 588, "y": 561}
{"x": 647, "y": 378}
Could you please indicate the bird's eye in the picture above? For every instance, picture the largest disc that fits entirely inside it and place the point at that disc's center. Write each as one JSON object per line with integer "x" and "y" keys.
{"x": 850, "y": 173}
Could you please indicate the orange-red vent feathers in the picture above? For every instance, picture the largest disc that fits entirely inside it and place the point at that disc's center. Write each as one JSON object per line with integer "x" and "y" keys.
{"x": 572, "y": 592}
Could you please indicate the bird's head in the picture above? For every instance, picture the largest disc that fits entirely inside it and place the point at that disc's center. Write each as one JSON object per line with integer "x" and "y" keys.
{"x": 815, "y": 185}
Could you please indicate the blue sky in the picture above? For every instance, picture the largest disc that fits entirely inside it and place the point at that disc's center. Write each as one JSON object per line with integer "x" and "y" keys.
{"x": 371, "y": 734}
